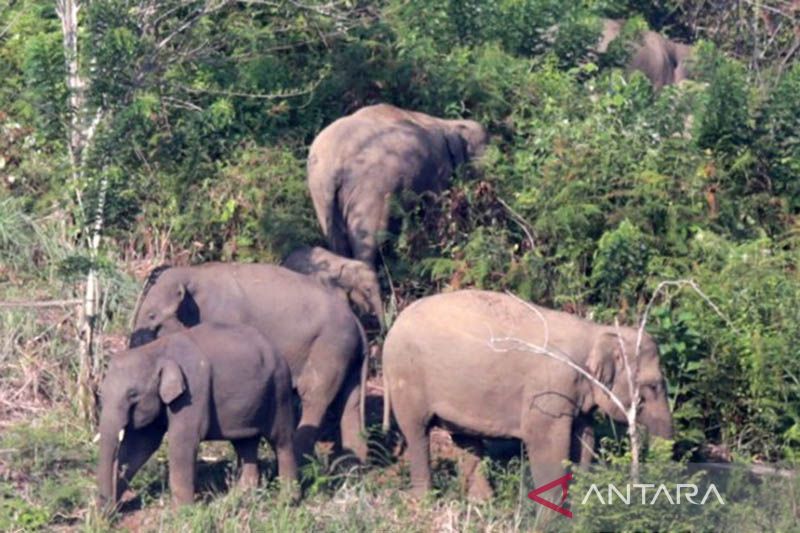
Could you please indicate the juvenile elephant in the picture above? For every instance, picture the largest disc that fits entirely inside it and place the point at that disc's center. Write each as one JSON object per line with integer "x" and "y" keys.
{"x": 663, "y": 61}
{"x": 359, "y": 162}
{"x": 210, "y": 382}
{"x": 454, "y": 360}
{"x": 310, "y": 326}
{"x": 356, "y": 279}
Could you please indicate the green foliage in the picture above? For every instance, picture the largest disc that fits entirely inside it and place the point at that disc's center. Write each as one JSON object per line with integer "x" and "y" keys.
{"x": 723, "y": 123}
{"x": 620, "y": 263}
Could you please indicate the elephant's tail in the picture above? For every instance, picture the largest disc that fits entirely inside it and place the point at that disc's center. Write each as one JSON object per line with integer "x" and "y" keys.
{"x": 362, "y": 399}
{"x": 387, "y": 403}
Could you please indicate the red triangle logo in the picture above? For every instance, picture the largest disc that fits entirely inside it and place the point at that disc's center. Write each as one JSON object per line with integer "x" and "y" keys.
{"x": 563, "y": 481}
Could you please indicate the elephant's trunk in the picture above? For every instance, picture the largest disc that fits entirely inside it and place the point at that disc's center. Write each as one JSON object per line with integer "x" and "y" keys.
{"x": 658, "y": 419}
{"x": 108, "y": 464}
{"x": 661, "y": 428}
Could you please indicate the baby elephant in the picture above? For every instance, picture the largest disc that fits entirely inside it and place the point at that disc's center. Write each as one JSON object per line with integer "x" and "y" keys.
{"x": 209, "y": 382}
{"x": 356, "y": 279}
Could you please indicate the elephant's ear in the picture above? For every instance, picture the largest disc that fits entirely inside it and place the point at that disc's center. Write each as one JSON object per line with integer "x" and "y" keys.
{"x": 604, "y": 357}
{"x": 171, "y": 382}
{"x": 457, "y": 147}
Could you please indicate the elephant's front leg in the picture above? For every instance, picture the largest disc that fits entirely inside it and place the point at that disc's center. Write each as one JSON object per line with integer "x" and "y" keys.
{"x": 547, "y": 438}
{"x": 582, "y": 445}
{"x": 137, "y": 447}
{"x": 182, "y": 457}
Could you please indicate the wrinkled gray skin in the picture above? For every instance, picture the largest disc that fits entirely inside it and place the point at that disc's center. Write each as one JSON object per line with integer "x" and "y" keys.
{"x": 355, "y": 279}
{"x": 663, "y": 61}
{"x": 359, "y": 162}
{"x": 440, "y": 368}
{"x": 205, "y": 383}
{"x": 309, "y": 325}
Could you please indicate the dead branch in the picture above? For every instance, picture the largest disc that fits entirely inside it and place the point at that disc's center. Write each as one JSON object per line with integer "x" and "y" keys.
{"x": 40, "y": 303}
{"x": 519, "y": 344}
{"x": 680, "y": 283}
{"x": 521, "y": 222}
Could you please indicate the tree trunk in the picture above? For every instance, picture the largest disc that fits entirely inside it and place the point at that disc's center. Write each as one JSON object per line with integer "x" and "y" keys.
{"x": 79, "y": 136}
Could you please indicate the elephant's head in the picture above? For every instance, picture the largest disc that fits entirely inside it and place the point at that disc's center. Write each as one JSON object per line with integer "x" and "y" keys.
{"x": 167, "y": 305}
{"x": 360, "y": 282}
{"x": 138, "y": 385}
{"x": 606, "y": 362}
{"x": 466, "y": 140}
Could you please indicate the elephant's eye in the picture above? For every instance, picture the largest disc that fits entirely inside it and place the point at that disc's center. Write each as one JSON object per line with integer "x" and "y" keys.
{"x": 151, "y": 316}
{"x": 652, "y": 388}
{"x": 132, "y": 394}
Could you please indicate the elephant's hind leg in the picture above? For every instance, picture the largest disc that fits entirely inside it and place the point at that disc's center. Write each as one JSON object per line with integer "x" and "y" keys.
{"x": 367, "y": 224}
{"x": 317, "y": 386}
{"x": 414, "y": 423}
{"x": 247, "y": 453}
{"x": 351, "y": 430}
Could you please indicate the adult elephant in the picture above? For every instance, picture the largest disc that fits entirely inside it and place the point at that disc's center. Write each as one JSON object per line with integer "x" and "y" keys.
{"x": 663, "y": 61}
{"x": 359, "y": 162}
{"x": 458, "y": 360}
{"x": 309, "y": 325}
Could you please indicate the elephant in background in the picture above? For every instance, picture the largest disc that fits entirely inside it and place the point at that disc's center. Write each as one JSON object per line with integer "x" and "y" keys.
{"x": 309, "y": 325}
{"x": 445, "y": 362}
{"x": 356, "y": 280}
{"x": 662, "y": 60}
{"x": 210, "y": 382}
{"x": 358, "y": 163}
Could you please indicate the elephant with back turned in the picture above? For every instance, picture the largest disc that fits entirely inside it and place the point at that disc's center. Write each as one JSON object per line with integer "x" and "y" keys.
{"x": 662, "y": 60}
{"x": 209, "y": 382}
{"x": 357, "y": 164}
{"x": 453, "y": 360}
{"x": 311, "y": 327}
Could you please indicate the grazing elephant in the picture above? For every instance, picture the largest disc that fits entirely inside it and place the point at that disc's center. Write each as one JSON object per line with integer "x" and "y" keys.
{"x": 663, "y": 61}
{"x": 452, "y": 360}
{"x": 359, "y": 162}
{"x": 206, "y": 383}
{"x": 309, "y": 325}
{"x": 356, "y": 279}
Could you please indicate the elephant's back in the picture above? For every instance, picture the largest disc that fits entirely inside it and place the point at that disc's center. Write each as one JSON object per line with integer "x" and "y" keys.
{"x": 653, "y": 59}
{"x": 238, "y": 344}
{"x": 487, "y": 322}
{"x": 364, "y": 150}
{"x": 291, "y": 310}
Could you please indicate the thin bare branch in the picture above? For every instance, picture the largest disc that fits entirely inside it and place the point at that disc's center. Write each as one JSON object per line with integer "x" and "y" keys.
{"x": 538, "y": 313}
{"x": 521, "y": 345}
{"x": 40, "y": 303}
{"x": 520, "y": 221}
{"x": 680, "y": 283}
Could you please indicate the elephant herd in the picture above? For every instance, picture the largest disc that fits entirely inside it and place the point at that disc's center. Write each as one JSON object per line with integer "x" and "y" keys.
{"x": 226, "y": 351}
